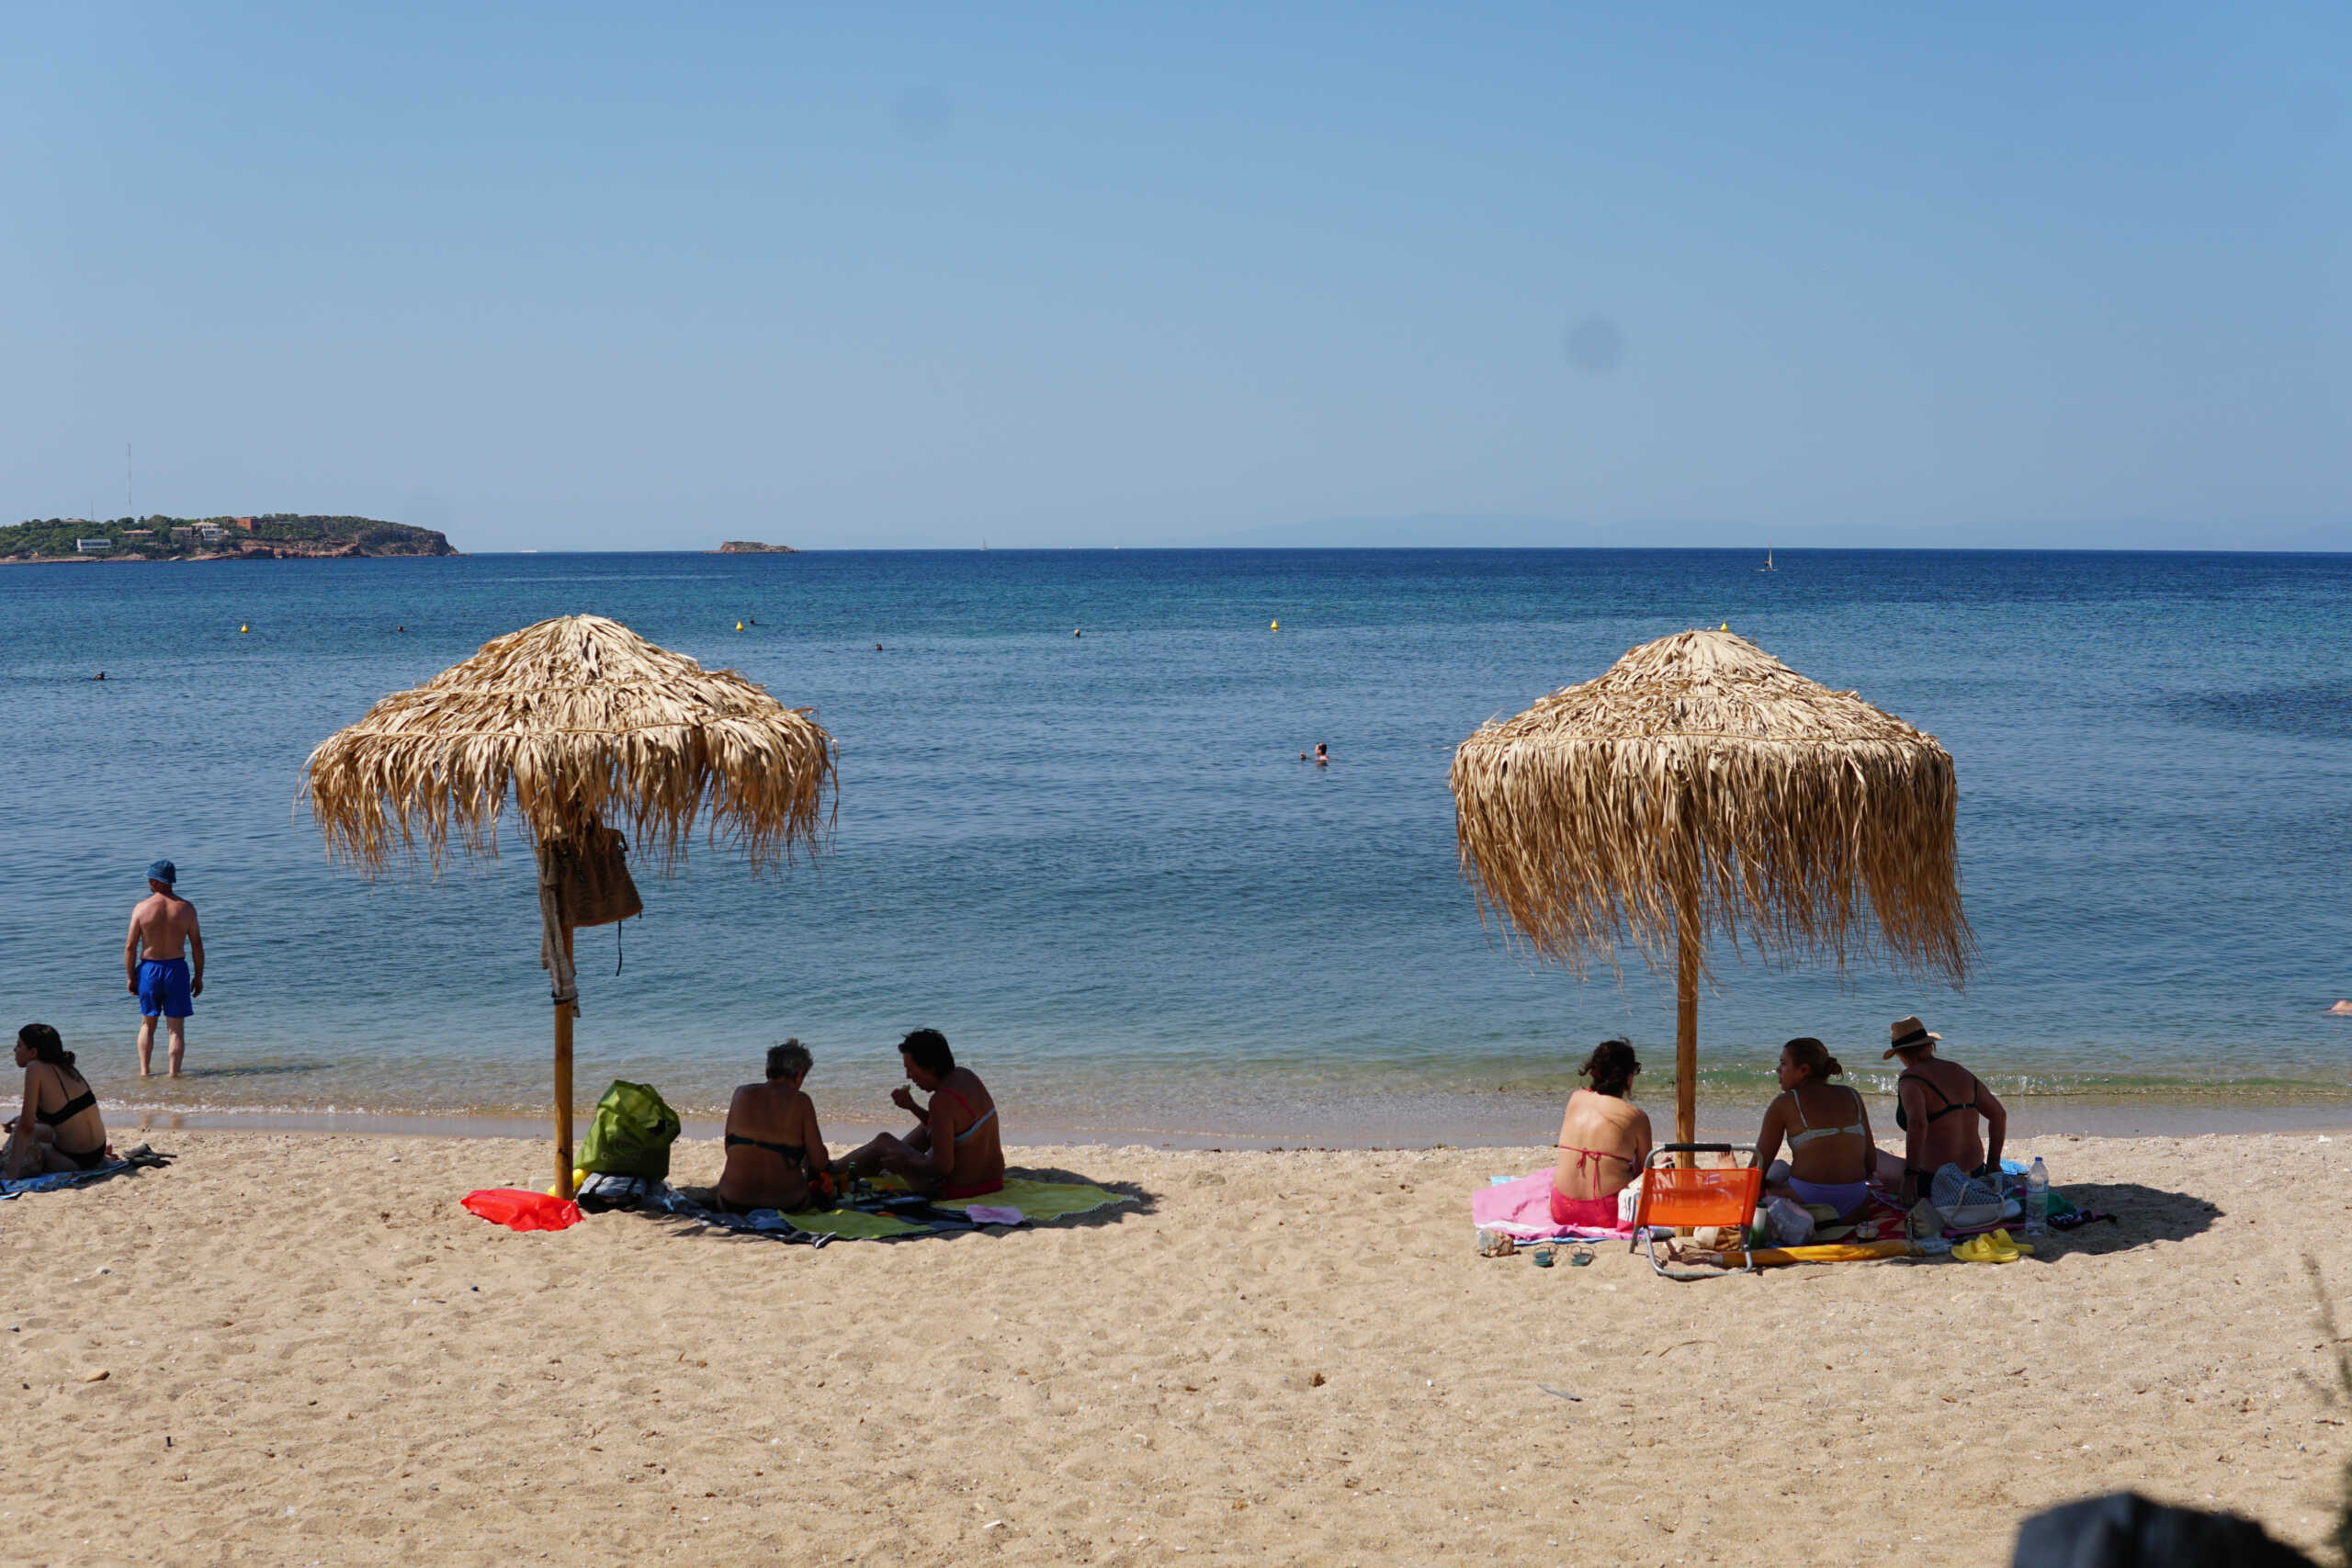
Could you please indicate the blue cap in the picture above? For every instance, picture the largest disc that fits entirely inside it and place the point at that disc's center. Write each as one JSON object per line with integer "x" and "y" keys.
{"x": 165, "y": 872}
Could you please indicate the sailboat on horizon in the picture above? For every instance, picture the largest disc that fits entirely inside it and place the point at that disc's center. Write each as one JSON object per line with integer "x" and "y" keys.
{"x": 1768, "y": 565}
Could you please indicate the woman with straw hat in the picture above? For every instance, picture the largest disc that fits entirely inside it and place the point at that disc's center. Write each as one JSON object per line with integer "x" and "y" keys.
{"x": 1938, "y": 1105}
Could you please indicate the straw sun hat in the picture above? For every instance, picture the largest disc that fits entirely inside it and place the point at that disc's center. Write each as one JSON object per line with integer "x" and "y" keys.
{"x": 1906, "y": 1032}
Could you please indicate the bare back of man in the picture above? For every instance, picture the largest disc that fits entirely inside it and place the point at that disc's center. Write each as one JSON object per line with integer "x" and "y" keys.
{"x": 162, "y": 966}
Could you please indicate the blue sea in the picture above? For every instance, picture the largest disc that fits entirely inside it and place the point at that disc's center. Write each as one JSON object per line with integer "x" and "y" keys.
{"x": 1099, "y": 865}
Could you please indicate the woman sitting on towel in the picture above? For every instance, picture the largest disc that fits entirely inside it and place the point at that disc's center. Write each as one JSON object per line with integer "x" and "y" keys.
{"x": 1604, "y": 1140}
{"x": 955, "y": 1152}
{"x": 1831, "y": 1156}
{"x": 773, "y": 1149}
{"x": 58, "y": 1128}
{"x": 1940, "y": 1106}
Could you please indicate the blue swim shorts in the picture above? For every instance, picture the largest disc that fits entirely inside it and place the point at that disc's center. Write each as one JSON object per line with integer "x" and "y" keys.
{"x": 163, "y": 988}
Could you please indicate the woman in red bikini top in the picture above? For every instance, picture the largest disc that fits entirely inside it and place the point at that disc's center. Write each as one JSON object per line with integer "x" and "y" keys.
{"x": 956, "y": 1153}
{"x": 1604, "y": 1140}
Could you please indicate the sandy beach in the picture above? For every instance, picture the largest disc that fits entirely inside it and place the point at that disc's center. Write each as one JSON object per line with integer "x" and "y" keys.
{"x": 312, "y": 1355}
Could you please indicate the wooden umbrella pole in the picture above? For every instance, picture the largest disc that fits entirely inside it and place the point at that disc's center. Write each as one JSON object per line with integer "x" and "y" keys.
{"x": 1686, "y": 1031}
{"x": 563, "y": 1086}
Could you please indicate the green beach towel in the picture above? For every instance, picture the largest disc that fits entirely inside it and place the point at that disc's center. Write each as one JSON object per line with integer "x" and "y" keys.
{"x": 1042, "y": 1201}
{"x": 1037, "y": 1200}
{"x": 853, "y": 1224}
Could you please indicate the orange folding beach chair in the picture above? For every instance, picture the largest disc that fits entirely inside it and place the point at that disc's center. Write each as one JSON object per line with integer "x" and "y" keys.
{"x": 1674, "y": 1197}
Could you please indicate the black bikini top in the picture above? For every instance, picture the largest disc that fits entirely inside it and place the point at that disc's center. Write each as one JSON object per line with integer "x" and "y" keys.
{"x": 83, "y": 1101}
{"x": 1949, "y": 1105}
{"x": 792, "y": 1152}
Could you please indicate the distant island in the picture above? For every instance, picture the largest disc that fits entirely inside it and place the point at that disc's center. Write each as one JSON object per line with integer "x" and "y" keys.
{"x": 278, "y": 535}
{"x": 752, "y": 547}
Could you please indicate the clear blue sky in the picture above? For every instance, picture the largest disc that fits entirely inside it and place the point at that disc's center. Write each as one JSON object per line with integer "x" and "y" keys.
{"x": 601, "y": 277}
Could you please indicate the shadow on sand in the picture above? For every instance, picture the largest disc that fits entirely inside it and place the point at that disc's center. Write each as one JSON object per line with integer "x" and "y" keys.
{"x": 2142, "y": 1214}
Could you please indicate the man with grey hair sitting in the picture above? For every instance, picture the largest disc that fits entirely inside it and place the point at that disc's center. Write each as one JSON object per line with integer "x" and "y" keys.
{"x": 774, "y": 1152}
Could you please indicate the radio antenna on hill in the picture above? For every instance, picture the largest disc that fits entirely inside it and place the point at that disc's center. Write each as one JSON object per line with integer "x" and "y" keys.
{"x": 125, "y": 483}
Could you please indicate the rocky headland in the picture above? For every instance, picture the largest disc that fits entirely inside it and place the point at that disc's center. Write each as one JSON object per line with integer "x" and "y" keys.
{"x": 276, "y": 536}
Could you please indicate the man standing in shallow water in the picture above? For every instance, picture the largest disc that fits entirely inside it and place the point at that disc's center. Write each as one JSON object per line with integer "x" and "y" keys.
{"x": 155, "y": 968}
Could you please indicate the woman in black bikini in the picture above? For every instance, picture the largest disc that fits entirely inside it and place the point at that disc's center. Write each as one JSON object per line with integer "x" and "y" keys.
{"x": 1938, "y": 1104}
{"x": 58, "y": 1128}
{"x": 773, "y": 1149}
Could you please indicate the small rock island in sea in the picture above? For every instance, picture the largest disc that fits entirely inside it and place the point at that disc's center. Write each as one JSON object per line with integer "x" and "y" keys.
{"x": 280, "y": 536}
{"x": 752, "y": 547}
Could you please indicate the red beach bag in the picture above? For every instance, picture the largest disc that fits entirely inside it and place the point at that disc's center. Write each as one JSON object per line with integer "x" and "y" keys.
{"x": 521, "y": 1211}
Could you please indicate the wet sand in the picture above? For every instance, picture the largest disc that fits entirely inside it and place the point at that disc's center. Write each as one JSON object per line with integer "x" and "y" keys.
{"x": 313, "y": 1355}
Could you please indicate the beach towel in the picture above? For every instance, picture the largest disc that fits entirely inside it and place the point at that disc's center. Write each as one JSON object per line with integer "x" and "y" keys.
{"x": 1038, "y": 1201}
{"x": 140, "y": 1158}
{"x": 892, "y": 1212}
{"x": 1521, "y": 1210}
{"x": 855, "y": 1224}
{"x": 667, "y": 1200}
{"x": 56, "y": 1182}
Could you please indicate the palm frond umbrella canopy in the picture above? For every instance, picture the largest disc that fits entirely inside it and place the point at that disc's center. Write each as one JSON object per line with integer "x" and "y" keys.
{"x": 1699, "y": 787}
{"x": 579, "y": 723}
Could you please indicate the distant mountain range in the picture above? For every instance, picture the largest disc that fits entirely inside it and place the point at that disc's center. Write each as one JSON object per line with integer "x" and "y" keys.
{"x": 277, "y": 536}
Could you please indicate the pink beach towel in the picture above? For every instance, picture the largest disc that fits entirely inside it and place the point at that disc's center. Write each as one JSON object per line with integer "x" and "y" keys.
{"x": 1522, "y": 1211}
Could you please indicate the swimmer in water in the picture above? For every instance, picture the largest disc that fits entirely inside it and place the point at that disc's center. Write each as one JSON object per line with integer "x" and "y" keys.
{"x": 2341, "y": 1009}
{"x": 878, "y": 647}
{"x": 1322, "y": 753}
{"x": 102, "y": 675}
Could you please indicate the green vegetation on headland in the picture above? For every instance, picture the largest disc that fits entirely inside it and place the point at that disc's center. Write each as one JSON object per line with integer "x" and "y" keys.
{"x": 277, "y": 536}
{"x": 752, "y": 547}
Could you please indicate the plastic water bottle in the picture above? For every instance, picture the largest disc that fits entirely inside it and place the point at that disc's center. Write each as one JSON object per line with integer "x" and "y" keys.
{"x": 2037, "y": 1198}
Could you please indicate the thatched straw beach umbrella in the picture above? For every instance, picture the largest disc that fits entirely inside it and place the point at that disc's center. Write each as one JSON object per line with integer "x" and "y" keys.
{"x": 582, "y": 722}
{"x": 1701, "y": 787}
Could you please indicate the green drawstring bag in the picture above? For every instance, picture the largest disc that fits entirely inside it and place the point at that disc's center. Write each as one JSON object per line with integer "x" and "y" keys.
{"x": 631, "y": 1133}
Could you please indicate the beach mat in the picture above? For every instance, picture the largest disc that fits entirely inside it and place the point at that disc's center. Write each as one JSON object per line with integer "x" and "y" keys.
{"x": 140, "y": 1158}
{"x": 1042, "y": 1201}
{"x": 1038, "y": 1201}
{"x": 764, "y": 1222}
{"x": 855, "y": 1224}
{"x": 1521, "y": 1210}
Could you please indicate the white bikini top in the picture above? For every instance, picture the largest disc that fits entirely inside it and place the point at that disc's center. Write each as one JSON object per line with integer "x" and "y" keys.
{"x": 1798, "y": 1140}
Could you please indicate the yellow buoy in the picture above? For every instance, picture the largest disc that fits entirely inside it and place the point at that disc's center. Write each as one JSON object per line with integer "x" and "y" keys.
{"x": 1726, "y": 626}
{"x": 1273, "y": 625}
{"x": 739, "y": 626}
{"x": 242, "y": 629}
